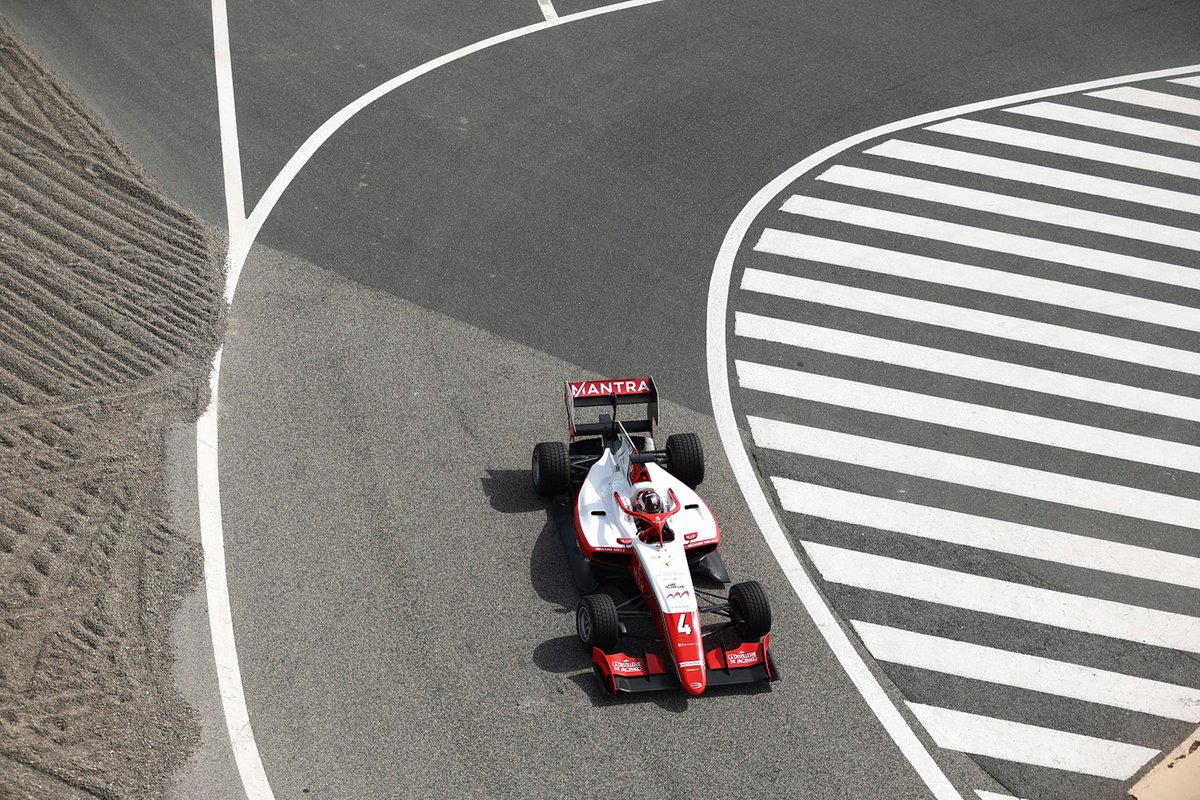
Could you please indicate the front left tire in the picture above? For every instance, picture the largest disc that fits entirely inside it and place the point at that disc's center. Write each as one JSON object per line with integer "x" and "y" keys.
{"x": 596, "y": 622}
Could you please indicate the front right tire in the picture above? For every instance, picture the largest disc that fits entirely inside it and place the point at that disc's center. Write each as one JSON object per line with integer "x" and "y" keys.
{"x": 751, "y": 610}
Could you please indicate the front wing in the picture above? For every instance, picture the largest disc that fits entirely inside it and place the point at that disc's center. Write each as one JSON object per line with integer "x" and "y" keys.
{"x": 750, "y": 662}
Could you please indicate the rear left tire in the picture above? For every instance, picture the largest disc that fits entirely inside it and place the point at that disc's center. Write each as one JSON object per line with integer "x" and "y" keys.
{"x": 551, "y": 469}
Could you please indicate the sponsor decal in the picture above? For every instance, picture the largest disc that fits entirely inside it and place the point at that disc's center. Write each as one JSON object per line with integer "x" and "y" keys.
{"x": 683, "y": 664}
{"x": 742, "y": 659}
{"x": 678, "y": 595}
{"x": 606, "y": 388}
{"x": 673, "y": 585}
{"x": 697, "y": 685}
{"x": 628, "y": 666}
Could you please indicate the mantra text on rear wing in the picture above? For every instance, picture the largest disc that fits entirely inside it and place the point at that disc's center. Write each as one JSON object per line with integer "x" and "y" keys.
{"x": 610, "y": 394}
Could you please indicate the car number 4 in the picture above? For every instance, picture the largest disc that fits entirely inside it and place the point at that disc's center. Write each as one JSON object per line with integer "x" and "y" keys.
{"x": 684, "y": 627}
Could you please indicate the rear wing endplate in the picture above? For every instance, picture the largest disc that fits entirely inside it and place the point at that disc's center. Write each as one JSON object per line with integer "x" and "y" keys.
{"x": 611, "y": 394}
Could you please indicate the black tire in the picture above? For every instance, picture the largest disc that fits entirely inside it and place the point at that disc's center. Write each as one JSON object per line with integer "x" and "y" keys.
{"x": 551, "y": 469}
{"x": 596, "y": 622}
{"x": 751, "y": 610}
{"x": 686, "y": 457}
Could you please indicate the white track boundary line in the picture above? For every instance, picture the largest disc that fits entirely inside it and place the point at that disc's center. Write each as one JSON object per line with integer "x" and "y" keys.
{"x": 243, "y": 231}
{"x": 826, "y": 621}
{"x": 548, "y": 10}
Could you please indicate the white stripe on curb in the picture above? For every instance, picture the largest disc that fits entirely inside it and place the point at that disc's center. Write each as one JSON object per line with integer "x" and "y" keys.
{"x": 853, "y": 255}
{"x": 966, "y": 416}
{"x": 954, "y": 527}
{"x": 1148, "y": 99}
{"x": 992, "y": 476}
{"x": 997, "y": 241}
{"x": 1073, "y": 612}
{"x": 961, "y": 365}
{"x": 1011, "y": 206}
{"x": 1110, "y": 122}
{"x": 1030, "y": 744}
{"x": 1065, "y": 146}
{"x": 1037, "y": 674}
{"x": 1024, "y": 172}
{"x": 985, "y": 323}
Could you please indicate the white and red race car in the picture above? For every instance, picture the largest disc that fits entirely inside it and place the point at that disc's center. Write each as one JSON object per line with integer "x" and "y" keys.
{"x": 638, "y": 537}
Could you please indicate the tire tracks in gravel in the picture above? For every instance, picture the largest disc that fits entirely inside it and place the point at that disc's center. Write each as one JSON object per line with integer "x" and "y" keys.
{"x": 109, "y": 311}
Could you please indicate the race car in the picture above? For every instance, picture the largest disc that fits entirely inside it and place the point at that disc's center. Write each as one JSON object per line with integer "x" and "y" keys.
{"x": 637, "y": 537}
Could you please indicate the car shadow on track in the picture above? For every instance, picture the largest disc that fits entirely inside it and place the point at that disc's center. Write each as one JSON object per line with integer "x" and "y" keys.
{"x": 510, "y": 491}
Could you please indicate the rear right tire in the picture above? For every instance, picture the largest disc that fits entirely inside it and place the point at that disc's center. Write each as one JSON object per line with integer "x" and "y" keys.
{"x": 686, "y": 457}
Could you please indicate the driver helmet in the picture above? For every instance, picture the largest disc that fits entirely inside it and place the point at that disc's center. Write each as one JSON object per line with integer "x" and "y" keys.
{"x": 649, "y": 501}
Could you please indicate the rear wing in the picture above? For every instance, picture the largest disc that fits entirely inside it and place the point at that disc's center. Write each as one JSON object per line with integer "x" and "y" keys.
{"x": 610, "y": 394}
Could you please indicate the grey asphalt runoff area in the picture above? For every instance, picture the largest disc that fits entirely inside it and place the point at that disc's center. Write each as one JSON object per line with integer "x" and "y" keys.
{"x": 550, "y": 208}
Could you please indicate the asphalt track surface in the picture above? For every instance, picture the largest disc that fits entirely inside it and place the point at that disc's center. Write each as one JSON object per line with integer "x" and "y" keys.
{"x": 547, "y": 208}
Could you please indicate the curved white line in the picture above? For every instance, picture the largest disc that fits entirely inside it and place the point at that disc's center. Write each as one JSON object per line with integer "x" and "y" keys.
{"x": 242, "y": 233}
{"x": 240, "y": 248}
{"x": 802, "y": 583}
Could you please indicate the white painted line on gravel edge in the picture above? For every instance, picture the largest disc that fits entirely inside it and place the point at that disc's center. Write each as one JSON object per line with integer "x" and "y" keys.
{"x": 827, "y": 623}
{"x": 243, "y": 231}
